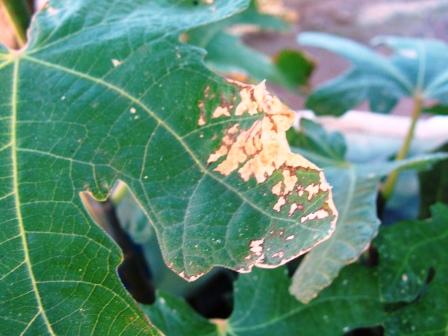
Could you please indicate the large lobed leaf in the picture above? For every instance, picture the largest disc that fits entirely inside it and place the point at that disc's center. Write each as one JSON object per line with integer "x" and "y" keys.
{"x": 105, "y": 92}
{"x": 397, "y": 295}
{"x": 356, "y": 198}
{"x": 417, "y": 68}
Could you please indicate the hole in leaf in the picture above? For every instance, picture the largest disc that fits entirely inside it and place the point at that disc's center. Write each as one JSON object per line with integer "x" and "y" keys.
{"x": 293, "y": 265}
{"x": 372, "y": 331}
{"x": 380, "y": 206}
{"x": 133, "y": 271}
{"x": 215, "y": 298}
{"x": 431, "y": 275}
{"x": 370, "y": 258}
{"x": 211, "y": 296}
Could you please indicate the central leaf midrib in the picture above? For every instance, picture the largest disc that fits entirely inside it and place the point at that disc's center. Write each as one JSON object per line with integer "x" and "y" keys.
{"x": 163, "y": 124}
{"x": 41, "y": 311}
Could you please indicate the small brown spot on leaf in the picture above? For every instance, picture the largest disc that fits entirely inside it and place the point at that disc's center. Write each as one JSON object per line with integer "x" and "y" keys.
{"x": 312, "y": 190}
{"x": 51, "y": 10}
{"x": 221, "y": 111}
{"x": 190, "y": 278}
{"x": 207, "y": 91}
{"x": 279, "y": 255}
{"x": 116, "y": 63}
{"x": 256, "y": 246}
{"x": 280, "y": 203}
{"x": 237, "y": 76}
{"x": 293, "y": 209}
{"x": 201, "y": 121}
{"x": 319, "y": 214}
{"x": 183, "y": 38}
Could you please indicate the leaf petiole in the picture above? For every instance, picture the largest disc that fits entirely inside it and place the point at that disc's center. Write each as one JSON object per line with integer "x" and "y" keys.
{"x": 391, "y": 180}
{"x": 18, "y": 14}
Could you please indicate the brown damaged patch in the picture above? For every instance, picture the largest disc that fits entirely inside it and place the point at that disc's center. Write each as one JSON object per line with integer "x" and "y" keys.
{"x": 262, "y": 149}
{"x": 190, "y": 278}
{"x": 238, "y": 76}
{"x": 258, "y": 152}
{"x": 201, "y": 121}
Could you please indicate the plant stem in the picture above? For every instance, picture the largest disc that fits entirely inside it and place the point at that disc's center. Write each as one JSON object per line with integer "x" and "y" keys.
{"x": 221, "y": 326}
{"x": 389, "y": 185}
{"x": 18, "y": 14}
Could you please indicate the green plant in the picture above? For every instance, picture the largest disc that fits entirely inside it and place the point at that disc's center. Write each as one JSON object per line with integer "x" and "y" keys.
{"x": 405, "y": 286}
{"x": 227, "y": 54}
{"x": 101, "y": 94}
{"x": 416, "y": 69}
{"x": 109, "y": 114}
{"x": 356, "y": 198}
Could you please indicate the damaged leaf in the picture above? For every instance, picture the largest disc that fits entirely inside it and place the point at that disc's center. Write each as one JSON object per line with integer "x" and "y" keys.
{"x": 260, "y": 154}
{"x": 106, "y": 92}
{"x": 410, "y": 279}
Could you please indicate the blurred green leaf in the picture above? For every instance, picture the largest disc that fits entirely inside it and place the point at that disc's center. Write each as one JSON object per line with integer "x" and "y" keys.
{"x": 296, "y": 68}
{"x": 356, "y": 191}
{"x": 173, "y": 316}
{"x": 417, "y": 67}
{"x": 227, "y": 54}
{"x": 313, "y": 141}
{"x": 406, "y": 293}
{"x": 437, "y": 109}
{"x": 263, "y": 306}
{"x": 434, "y": 185}
{"x": 413, "y": 275}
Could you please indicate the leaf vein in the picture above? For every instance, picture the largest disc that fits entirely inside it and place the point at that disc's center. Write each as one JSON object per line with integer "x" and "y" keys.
{"x": 20, "y": 221}
{"x": 162, "y": 123}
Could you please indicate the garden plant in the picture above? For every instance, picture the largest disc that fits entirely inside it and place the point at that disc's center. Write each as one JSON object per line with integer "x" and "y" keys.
{"x": 152, "y": 184}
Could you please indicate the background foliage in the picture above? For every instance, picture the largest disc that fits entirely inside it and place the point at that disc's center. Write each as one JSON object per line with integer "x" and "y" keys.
{"x": 128, "y": 91}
